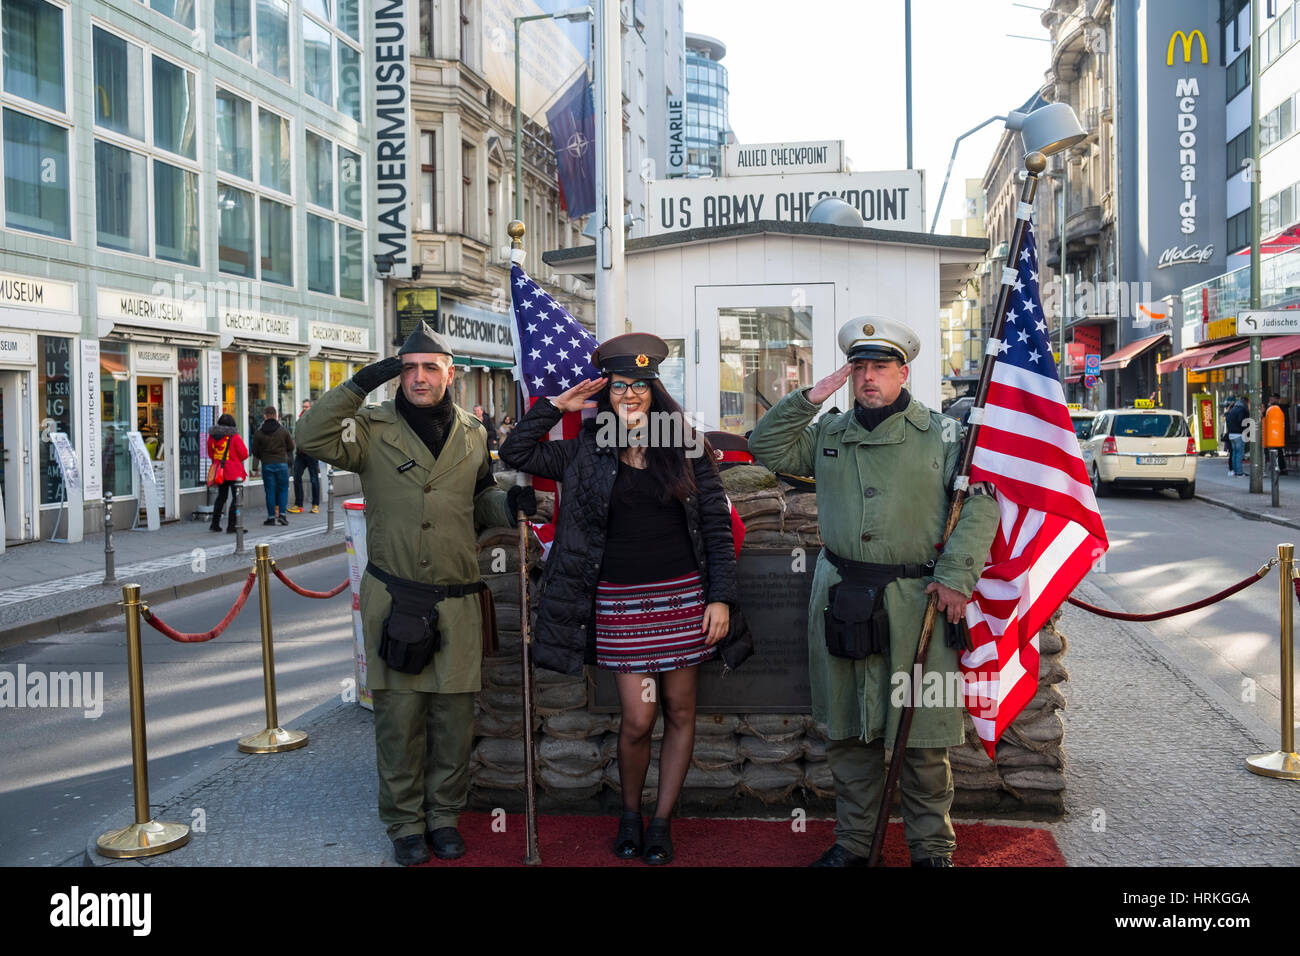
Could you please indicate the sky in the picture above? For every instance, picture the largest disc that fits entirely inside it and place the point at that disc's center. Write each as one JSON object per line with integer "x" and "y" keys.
{"x": 835, "y": 70}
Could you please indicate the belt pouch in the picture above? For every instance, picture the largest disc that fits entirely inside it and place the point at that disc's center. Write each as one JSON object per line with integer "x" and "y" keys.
{"x": 856, "y": 623}
{"x": 410, "y": 637}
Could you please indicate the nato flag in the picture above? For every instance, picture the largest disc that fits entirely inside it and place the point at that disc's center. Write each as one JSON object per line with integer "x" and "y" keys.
{"x": 573, "y": 130}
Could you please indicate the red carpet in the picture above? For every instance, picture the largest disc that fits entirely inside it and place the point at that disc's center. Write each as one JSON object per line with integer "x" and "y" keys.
{"x": 585, "y": 841}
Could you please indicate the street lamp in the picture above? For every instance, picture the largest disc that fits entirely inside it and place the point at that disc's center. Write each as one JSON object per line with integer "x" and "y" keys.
{"x": 573, "y": 14}
{"x": 1047, "y": 130}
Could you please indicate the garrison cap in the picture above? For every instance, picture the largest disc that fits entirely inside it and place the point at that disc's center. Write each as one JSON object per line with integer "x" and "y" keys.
{"x": 873, "y": 337}
{"x": 636, "y": 353}
{"x": 425, "y": 339}
{"x": 729, "y": 449}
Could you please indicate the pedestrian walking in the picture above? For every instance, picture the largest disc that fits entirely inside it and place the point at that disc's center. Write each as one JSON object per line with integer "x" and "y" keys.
{"x": 303, "y": 462}
{"x": 273, "y": 447}
{"x": 226, "y": 451}
{"x": 641, "y": 576}
{"x": 1236, "y": 419}
{"x": 423, "y": 465}
{"x": 884, "y": 473}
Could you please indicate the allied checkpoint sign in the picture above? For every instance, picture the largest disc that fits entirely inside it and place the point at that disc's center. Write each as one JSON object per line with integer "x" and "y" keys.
{"x": 779, "y": 159}
{"x": 886, "y": 200}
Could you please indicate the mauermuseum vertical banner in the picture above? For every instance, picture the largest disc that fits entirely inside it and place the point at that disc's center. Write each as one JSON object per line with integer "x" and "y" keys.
{"x": 393, "y": 34}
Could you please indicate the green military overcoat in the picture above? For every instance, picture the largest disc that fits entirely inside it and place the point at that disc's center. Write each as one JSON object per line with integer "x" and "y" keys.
{"x": 882, "y": 497}
{"x": 420, "y": 523}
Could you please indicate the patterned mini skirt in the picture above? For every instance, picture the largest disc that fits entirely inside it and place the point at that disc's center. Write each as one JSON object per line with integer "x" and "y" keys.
{"x": 650, "y": 628}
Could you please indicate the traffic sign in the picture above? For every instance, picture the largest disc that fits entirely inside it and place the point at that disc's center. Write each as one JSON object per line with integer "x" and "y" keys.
{"x": 1272, "y": 322}
{"x": 1092, "y": 364}
{"x": 1090, "y": 381}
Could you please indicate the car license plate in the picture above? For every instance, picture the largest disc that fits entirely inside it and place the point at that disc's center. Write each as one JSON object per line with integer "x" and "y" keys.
{"x": 1153, "y": 460}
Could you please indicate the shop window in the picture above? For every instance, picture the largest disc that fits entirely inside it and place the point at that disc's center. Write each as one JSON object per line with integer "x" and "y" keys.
{"x": 190, "y": 396}
{"x": 230, "y": 384}
{"x": 117, "y": 416}
{"x": 261, "y": 393}
{"x": 54, "y": 404}
{"x": 36, "y": 176}
{"x": 316, "y": 378}
{"x": 31, "y": 35}
{"x": 338, "y": 373}
{"x": 284, "y": 390}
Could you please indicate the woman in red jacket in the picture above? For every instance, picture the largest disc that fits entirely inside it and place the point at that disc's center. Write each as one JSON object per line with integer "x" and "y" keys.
{"x": 226, "y": 448}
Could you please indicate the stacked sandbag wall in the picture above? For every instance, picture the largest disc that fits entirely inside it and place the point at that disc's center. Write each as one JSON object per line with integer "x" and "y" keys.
{"x": 741, "y": 761}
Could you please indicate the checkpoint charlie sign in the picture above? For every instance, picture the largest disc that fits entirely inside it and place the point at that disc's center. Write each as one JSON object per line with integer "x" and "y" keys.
{"x": 886, "y": 200}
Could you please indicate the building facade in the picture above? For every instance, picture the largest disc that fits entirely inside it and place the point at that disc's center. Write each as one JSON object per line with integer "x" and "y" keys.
{"x": 961, "y": 324}
{"x": 708, "y": 127}
{"x": 184, "y": 217}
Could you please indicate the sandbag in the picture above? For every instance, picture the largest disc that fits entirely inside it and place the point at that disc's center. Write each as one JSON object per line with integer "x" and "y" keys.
{"x": 1034, "y": 778}
{"x": 500, "y": 753}
{"x": 576, "y": 724}
{"x": 775, "y": 727}
{"x": 758, "y": 750}
{"x": 715, "y": 725}
{"x": 574, "y": 757}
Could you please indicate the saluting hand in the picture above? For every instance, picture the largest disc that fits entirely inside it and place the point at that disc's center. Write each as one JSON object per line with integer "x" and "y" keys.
{"x": 576, "y": 398}
{"x": 717, "y": 621}
{"x": 830, "y": 384}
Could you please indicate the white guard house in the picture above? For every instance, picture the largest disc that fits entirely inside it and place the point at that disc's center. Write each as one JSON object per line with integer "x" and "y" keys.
{"x": 751, "y": 311}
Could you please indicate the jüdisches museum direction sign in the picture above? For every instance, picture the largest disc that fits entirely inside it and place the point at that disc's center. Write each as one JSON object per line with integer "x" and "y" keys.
{"x": 886, "y": 200}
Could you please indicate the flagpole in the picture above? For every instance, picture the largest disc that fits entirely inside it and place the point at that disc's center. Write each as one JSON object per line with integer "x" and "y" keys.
{"x": 1035, "y": 164}
{"x": 611, "y": 297}
{"x": 531, "y": 856}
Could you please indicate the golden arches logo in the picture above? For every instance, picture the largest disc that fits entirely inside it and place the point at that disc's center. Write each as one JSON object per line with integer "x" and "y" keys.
{"x": 1187, "y": 39}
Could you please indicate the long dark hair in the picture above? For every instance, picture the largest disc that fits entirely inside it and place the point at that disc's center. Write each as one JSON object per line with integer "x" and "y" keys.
{"x": 669, "y": 466}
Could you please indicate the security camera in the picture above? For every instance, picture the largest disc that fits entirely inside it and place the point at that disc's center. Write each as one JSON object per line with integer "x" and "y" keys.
{"x": 384, "y": 263}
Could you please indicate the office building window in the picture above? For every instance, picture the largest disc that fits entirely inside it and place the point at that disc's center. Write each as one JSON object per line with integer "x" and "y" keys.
{"x": 234, "y": 135}
{"x": 31, "y": 39}
{"x": 1238, "y": 77}
{"x": 276, "y": 225}
{"x": 332, "y": 59}
{"x": 236, "y": 229}
{"x": 233, "y": 21}
{"x": 1238, "y": 152}
{"x": 320, "y": 171}
{"x": 182, "y": 11}
{"x": 273, "y": 37}
{"x": 1238, "y": 231}
{"x": 352, "y": 259}
{"x": 428, "y": 167}
{"x": 36, "y": 176}
{"x": 426, "y": 28}
{"x": 145, "y": 175}
{"x": 467, "y": 166}
{"x": 274, "y": 170}
{"x": 1277, "y": 125}
{"x": 320, "y": 254}
{"x": 350, "y": 194}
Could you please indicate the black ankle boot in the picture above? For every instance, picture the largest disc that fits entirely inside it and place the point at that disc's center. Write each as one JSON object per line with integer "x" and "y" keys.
{"x": 658, "y": 842}
{"x": 629, "y": 841}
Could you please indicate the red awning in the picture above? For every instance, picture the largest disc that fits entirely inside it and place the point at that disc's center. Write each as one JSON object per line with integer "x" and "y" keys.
{"x": 1284, "y": 241}
{"x": 1120, "y": 358}
{"x": 1073, "y": 379}
{"x": 1271, "y": 349}
{"x": 1198, "y": 356}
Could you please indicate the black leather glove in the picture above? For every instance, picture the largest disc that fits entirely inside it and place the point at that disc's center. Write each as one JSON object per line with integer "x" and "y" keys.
{"x": 521, "y": 498}
{"x": 377, "y": 373}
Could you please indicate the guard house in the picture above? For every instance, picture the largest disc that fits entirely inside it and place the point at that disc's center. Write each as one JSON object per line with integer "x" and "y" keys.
{"x": 751, "y": 311}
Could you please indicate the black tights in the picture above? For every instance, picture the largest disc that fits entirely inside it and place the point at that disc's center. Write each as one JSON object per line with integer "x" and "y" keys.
{"x": 638, "y": 695}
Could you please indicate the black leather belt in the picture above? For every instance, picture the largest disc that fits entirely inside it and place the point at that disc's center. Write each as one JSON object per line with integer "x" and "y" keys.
{"x": 440, "y": 590}
{"x": 866, "y": 568}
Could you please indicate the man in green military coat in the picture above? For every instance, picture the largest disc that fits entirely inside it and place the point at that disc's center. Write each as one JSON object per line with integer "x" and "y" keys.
{"x": 884, "y": 471}
{"x": 426, "y": 476}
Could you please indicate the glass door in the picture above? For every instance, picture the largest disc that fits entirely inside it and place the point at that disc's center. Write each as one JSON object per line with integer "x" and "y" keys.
{"x": 15, "y": 490}
{"x": 155, "y": 419}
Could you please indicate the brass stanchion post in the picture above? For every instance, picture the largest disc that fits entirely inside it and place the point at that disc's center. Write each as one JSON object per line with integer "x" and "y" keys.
{"x": 1284, "y": 763}
{"x": 145, "y": 837}
{"x": 273, "y": 739}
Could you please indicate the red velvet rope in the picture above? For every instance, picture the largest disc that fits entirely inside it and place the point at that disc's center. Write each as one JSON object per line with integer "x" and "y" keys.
{"x": 303, "y": 591}
{"x": 1296, "y": 584}
{"x": 1160, "y": 615}
{"x": 176, "y": 635}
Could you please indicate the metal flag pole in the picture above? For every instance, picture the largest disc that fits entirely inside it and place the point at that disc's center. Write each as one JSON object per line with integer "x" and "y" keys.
{"x": 531, "y": 857}
{"x": 1035, "y": 163}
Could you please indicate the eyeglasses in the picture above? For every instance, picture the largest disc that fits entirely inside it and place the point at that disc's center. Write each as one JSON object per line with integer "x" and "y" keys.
{"x": 618, "y": 388}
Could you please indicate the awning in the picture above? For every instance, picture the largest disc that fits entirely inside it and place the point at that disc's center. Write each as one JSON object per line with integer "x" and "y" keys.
{"x": 1198, "y": 356}
{"x": 1271, "y": 349}
{"x": 465, "y": 361}
{"x": 1121, "y": 358}
{"x": 1073, "y": 379}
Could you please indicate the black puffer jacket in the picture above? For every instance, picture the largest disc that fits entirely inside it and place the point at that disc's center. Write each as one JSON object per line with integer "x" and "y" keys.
{"x": 564, "y": 636}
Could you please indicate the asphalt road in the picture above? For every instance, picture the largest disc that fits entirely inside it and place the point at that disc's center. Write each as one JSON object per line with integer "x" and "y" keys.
{"x": 63, "y": 770}
{"x": 1165, "y": 552}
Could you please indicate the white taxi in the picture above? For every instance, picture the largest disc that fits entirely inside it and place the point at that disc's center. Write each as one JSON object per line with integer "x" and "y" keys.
{"x": 1142, "y": 448}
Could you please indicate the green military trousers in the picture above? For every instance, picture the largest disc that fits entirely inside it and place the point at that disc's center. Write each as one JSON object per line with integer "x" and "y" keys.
{"x": 422, "y": 747}
{"x": 926, "y": 784}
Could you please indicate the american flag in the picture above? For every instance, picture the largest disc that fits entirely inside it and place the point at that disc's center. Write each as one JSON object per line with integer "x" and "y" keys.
{"x": 552, "y": 354}
{"x": 1050, "y": 532}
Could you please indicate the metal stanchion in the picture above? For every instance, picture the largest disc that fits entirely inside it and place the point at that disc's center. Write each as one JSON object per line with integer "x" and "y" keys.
{"x": 1284, "y": 763}
{"x": 329, "y": 499}
{"x": 110, "y": 572}
{"x": 238, "y": 492}
{"x": 1277, "y": 474}
{"x": 273, "y": 739}
{"x": 145, "y": 837}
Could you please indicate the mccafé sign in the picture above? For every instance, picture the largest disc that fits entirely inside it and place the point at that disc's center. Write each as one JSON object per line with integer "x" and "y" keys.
{"x": 1187, "y": 46}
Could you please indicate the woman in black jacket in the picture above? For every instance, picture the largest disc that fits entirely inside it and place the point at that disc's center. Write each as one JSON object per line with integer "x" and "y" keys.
{"x": 642, "y": 571}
